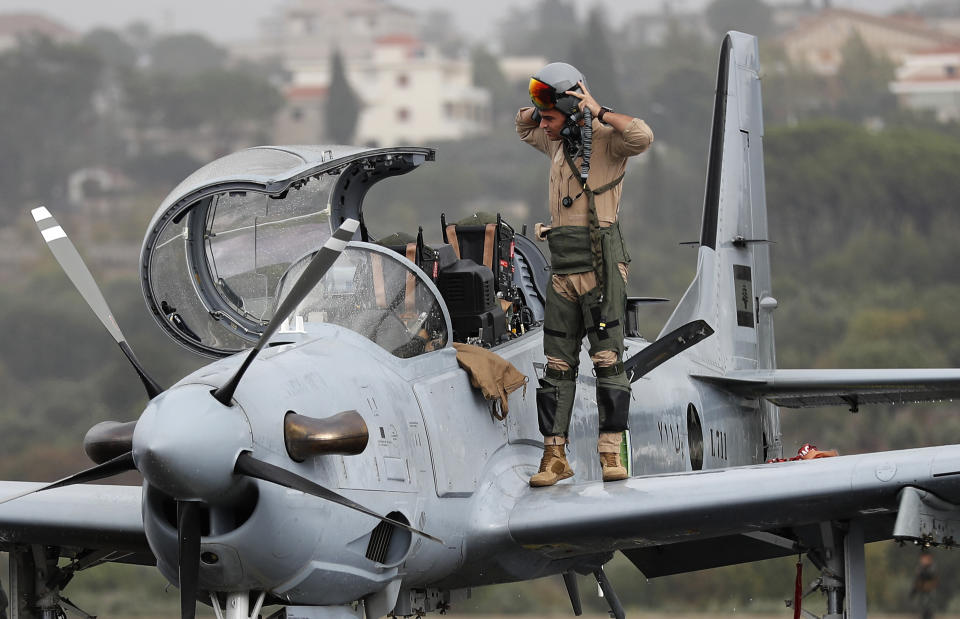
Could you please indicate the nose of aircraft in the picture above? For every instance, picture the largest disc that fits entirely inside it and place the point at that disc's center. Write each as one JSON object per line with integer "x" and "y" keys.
{"x": 186, "y": 443}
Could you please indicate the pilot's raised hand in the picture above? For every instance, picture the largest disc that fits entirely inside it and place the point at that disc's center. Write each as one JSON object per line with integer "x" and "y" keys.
{"x": 586, "y": 99}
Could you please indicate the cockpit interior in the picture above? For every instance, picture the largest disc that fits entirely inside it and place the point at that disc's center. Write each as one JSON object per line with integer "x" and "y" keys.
{"x": 231, "y": 240}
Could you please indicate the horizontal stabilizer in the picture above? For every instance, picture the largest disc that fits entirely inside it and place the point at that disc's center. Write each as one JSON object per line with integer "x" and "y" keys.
{"x": 807, "y": 388}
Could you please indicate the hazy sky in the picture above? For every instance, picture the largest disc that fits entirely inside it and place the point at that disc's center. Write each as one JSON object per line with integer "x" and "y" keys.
{"x": 230, "y": 20}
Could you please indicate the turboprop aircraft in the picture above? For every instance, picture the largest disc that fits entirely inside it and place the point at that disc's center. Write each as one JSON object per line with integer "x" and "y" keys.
{"x": 334, "y": 459}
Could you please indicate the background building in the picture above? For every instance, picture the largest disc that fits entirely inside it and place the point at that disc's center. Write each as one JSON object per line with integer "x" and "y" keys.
{"x": 409, "y": 91}
{"x": 412, "y": 95}
{"x": 306, "y": 32}
{"x": 930, "y": 81}
{"x": 16, "y": 25}
{"x": 818, "y": 41}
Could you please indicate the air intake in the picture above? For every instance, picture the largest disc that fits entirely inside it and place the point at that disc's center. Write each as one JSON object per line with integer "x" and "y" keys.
{"x": 380, "y": 543}
{"x": 388, "y": 544}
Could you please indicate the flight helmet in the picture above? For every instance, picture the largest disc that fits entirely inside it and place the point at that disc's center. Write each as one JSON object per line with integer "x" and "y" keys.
{"x": 549, "y": 83}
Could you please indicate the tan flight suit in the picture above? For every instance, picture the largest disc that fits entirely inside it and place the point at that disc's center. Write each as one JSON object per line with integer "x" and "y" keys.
{"x": 576, "y": 306}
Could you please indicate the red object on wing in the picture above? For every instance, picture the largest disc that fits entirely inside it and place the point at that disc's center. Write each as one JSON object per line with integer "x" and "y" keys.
{"x": 807, "y": 452}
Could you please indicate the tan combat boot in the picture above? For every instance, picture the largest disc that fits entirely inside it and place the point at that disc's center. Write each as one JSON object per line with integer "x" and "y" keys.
{"x": 553, "y": 466}
{"x": 609, "y": 448}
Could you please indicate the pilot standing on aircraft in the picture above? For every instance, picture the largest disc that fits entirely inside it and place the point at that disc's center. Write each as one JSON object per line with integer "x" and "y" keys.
{"x": 588, "y": 258}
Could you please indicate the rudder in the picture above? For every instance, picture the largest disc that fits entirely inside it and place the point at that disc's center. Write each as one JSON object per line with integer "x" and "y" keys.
{"x": 733, "y": 269}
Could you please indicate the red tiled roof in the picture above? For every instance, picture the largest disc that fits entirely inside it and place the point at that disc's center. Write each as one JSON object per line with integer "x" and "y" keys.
{"x": 398, "y": 39}
{"x": 306, "y": 92}
{"x": 12, "y": 24}
{"x": 909, "y": 24}
{"x": 931, "y": 79}
{"x": 943, "y": 49}
{"x": 909, "y": 19}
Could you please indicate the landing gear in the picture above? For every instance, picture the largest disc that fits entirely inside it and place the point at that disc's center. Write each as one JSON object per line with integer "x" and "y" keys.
{"x": 573, "y": 590}
{"x": 36, "y": 582}
{"x": 237, "y": 605}
{"x": 606, "y": 592}
{"x": 839, "y": 557}
{"x": 616, "y": 608}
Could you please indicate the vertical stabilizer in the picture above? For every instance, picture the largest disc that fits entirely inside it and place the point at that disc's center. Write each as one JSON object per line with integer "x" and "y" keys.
{"x": 732, "y": 283}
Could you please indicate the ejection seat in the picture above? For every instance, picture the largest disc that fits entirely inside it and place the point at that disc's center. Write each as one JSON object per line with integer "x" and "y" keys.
{"x": 488, "y": 241}
{"x": 414, "y": 249}
{"x": 478, "y": 287}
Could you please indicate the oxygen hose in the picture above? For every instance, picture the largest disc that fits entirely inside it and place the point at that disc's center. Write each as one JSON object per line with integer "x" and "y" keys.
{"x": 586, "y": 133}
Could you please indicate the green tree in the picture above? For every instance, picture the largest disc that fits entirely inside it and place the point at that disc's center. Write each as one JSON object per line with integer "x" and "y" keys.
{"x": 113, "y": 49}
{"x": 186, "y": 54}
{"x": 487, "y": 74}
{"x": 593, "y": 55}
{"x": 681, "y": 109}
{"x": 882, "y": 337}
{"x": 439, "y": 28}
{"x": 828, "y": 177}
{"x": 644, "y": 68}
{"x": 233, "y": 103}
{"x": 863, "y": 80}
{"x": 750, "y": 16}
{"x": 47, "y": 112}
{"x": 343, "y": 105}
{"x": 791, "y": 92}
{"x": 557, "y": 25}
{"x": 546, "y": 29}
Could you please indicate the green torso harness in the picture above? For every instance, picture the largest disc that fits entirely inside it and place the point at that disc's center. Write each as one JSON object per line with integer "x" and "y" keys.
{"x": 575, "y": 249}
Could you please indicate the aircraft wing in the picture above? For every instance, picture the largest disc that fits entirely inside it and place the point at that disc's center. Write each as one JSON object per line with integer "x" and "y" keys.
{"x": 81, "y": 517}
{"x": 804, "y": 388}
{"x": 682, "y": 522}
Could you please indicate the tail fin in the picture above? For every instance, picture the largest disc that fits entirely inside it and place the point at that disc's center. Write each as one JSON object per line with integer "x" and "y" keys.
{"x": 733, "y": 270}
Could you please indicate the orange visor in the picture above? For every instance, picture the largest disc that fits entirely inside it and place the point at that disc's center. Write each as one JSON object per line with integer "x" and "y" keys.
{"x": 544, "y": 96}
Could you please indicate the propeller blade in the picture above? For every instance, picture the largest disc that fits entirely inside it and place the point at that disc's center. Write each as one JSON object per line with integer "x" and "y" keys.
{"x": 73, "y": 265}
{"x": 115, "y": 466}
{"x": 251, "y": 467}
{"x": 188, "y": 560}
{"x": 314, "y": 272}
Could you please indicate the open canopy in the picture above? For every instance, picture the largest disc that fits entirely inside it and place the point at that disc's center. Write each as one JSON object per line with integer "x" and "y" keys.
{"x": 219, "y": 245}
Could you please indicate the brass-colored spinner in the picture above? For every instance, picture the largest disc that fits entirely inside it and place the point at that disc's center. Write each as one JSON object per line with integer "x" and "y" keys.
{"x": 344, "y": 433}
{"x": 109, "y": 439}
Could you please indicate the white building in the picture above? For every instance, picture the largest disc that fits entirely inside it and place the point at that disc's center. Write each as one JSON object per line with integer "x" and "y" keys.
{"x": 652, "y": 29}
{"x": 818, "y": 42}
{"x": 413, "y": 95}
{"x": 13, "y": 26}
{"x": 409, "y": 93}
{"x": 930, "y": 81}
{"x": 521, "y": 68}
{"x": 306, "y": 32}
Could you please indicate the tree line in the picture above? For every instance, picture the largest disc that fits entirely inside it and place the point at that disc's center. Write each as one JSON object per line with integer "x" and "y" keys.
{"x": 97, "y": 102}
